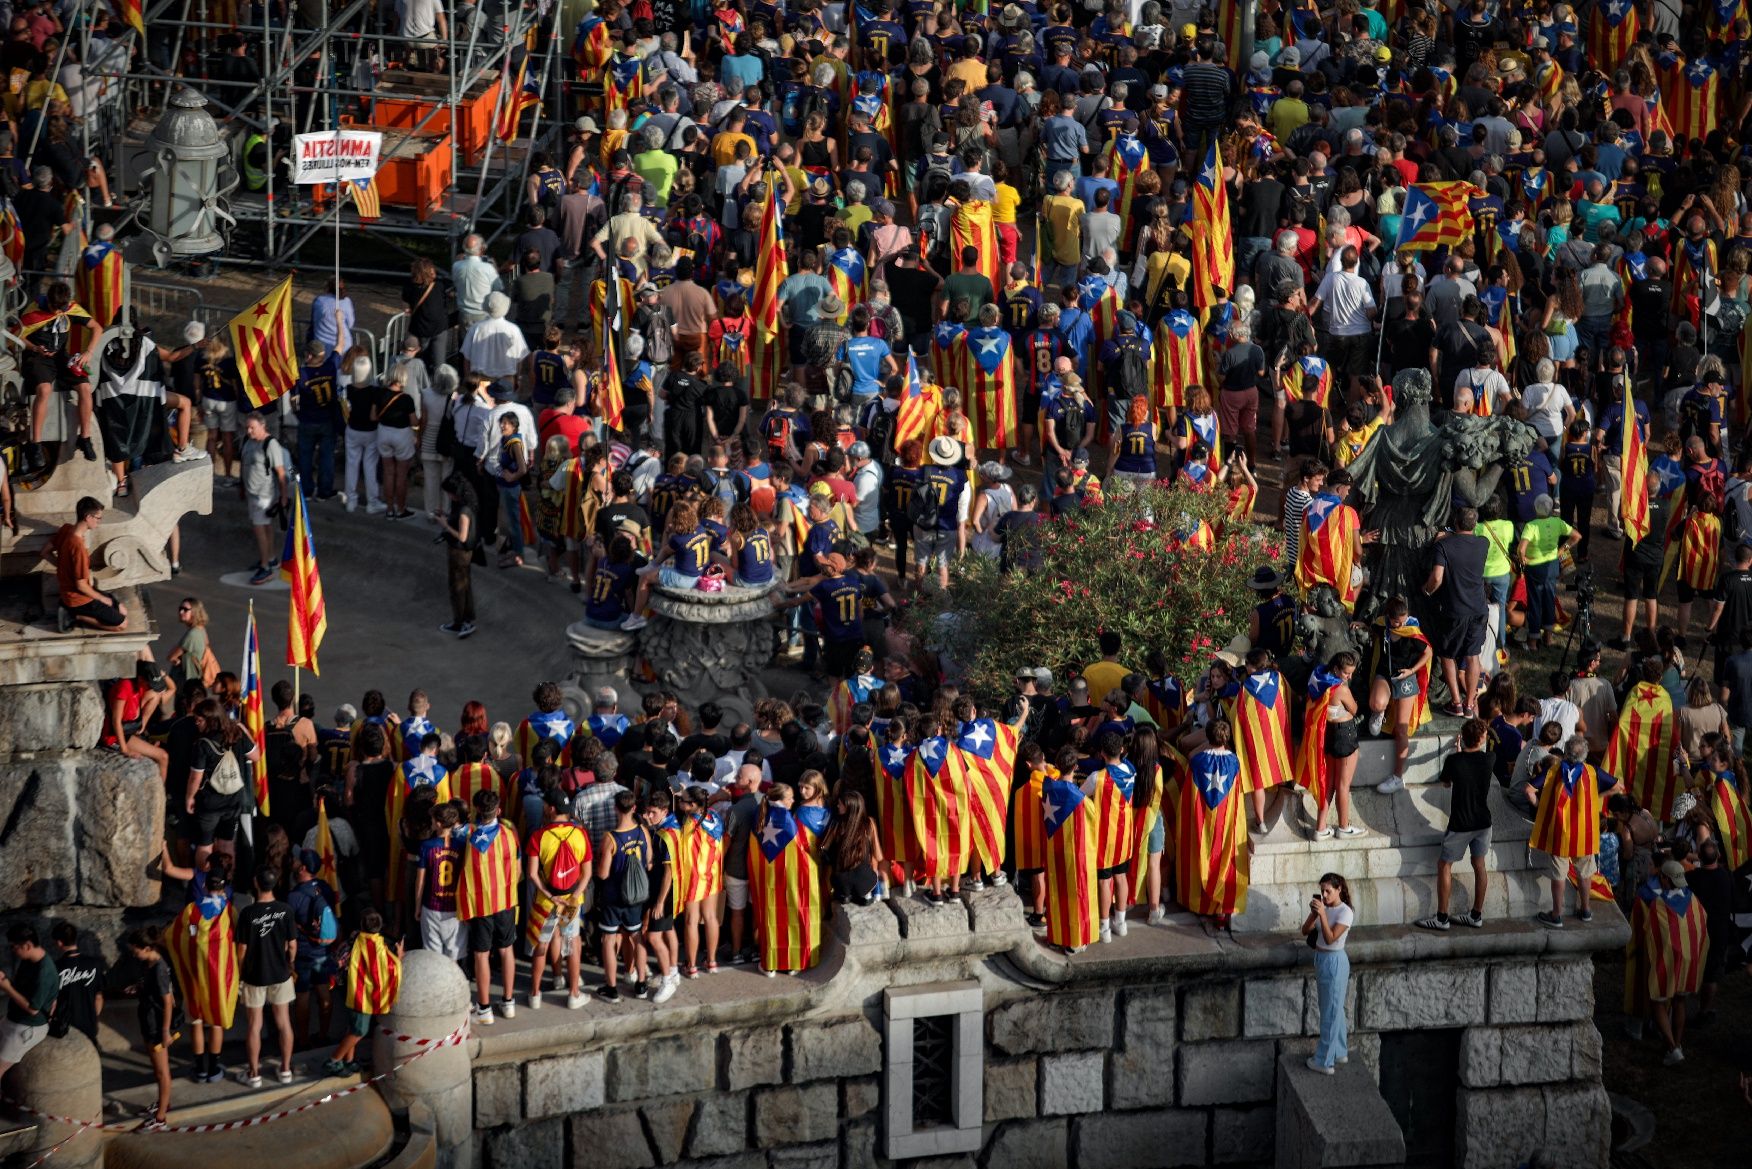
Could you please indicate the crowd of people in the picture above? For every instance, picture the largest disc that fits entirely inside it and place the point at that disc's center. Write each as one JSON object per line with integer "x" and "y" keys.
{"x": 1031, "y": 255}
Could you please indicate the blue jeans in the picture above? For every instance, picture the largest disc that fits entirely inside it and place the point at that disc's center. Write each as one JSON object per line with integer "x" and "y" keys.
{"x": 1541, "y": 595}
{"x": 316, "y": 439}
{"x": 1331, "y": 979}
{"x": 1247, "y": 251}
{"x": 1596, "y": 334}
{"x": 1496, "y": 591}
{"x": 511, "y": 497}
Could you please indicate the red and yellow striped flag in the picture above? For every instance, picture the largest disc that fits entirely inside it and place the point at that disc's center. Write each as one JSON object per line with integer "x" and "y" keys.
{"x": 470, "y": 779}
{"x": 769, "y": 353}
{"x": 1633, "y": 454}
{"x": 1179, "y": 360}
{"x": 1028, "y": 848}
{"x": 1262, "y": 731}
{"x": 1113, "y": 785}
{"x": 366, "y": 198}
{"x": 611, "y": 406}
{"x": 936, "y": 795}
{"x": 1612, "y": 29}
{"x": 987, "y": 749}
{"x": 526, "y": 521}
{"x": 1213, "y": 239}
{"x": 134, "y": 13}
{"x": 784, "y": 885}
{"x": 702, "y": 840}
{"x": 99, "y": 282}
{"x": 261, "y": 337}
{"x": 254, "y": 721}
{"x": 562, "y": 854}
{"x": 201, "y": 944}
{"x": 1068, "y": 816}
{"x": 1640, "y": 751}
{"x": 1734, "y": 821}
{"x": 1311, "y": 773}
{"x": 490, "y": 871}
{"x": 1669, "y": 940}
{"x": 307, "y": 622}
{"x": 373, "y": 976}
{"x": 893, "y": 822}
{"x": 1210, "y": 836}
{"x": 328, "y": 860}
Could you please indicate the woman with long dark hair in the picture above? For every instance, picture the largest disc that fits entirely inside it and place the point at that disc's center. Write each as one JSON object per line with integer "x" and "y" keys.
{"x": 218, "y": 793}
{"x": 1327, "y": 926}
{"x": 461, "y": 535}
{"x": 852, "y": 851}
{"x": 1145, "y": 757}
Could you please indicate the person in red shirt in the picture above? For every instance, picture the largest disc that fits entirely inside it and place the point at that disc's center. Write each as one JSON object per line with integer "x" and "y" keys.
{"x": 81, "y": 602}
{"x": 131, "y": 703}
{"x": 562, "y": 418}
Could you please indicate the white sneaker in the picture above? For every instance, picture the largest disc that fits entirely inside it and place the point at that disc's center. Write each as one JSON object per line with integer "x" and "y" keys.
{"x": 1676, "y": 1056}
{"x": 1158, "y": 915}
{"x": 575, "y": 1002}
{"x": 666, "y": 988}
{"x": 1393, "y": 783}
{"x": 1119, "y": 925}
{"x": 974, "y": 885}
{"x": 634, "y": 622}
{"x": 508, "y": 1009}
{"x": 483, "y": 1016}
{"x": 1106, "y": 933}
{"x": 377, "y": 508}
{"x": 1375, "y": 721}
{"x": 999, "y": 880}
{"x": 1350, "y": 830}
{"x": 535, "y": 1000}
{"x": 1315, "y": 1066}
{"x": 188, "y": 454}
{"x": 352, "y": 504}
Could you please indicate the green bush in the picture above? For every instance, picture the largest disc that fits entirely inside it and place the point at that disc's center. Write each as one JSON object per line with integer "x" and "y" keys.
{"x": 1106, "y": 566}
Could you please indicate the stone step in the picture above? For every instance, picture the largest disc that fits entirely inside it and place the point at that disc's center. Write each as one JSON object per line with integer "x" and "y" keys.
{"x": 1395, "y": 900}
{"x": 1423, "y": 765}
{"x": 1417, "y": 815}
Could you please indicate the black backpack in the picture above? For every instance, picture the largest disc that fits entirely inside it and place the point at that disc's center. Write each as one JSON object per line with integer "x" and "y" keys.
{"x": 1131, "y": 377}
{"x": 921, "y": 506}
{"x": 879, "y": 428}
{"x": 285, "y": 756}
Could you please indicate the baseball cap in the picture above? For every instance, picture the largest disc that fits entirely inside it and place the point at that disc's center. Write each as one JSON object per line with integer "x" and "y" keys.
{"x": 1674, "y": 872}
{"x": 1158, "y": 91}
{"x": 821, "y": 490}
{"x": 1080, "y": 458}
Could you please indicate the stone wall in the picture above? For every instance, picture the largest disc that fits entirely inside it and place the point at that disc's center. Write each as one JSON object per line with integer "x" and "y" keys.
{"x": 1113, "y": 1071}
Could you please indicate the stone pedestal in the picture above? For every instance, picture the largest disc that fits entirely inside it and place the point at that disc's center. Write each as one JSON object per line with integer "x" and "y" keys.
{"x": 434, "y": 1002}
{"x": 63, "y": 1077}
{"x": 599, "y": 657}
{"x": 711, "y": 646}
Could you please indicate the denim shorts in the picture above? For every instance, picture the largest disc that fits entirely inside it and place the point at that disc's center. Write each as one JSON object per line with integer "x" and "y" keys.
{"x": 669, "y": 578}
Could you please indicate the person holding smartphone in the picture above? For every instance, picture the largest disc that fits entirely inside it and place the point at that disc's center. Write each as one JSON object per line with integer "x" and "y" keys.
{"x": 1327, "y": 926}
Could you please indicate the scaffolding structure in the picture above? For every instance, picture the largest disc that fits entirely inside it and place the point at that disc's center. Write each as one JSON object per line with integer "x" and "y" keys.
{"x": 277, "y": 229}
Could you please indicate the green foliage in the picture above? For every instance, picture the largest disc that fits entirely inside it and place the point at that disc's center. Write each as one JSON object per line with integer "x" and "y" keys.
{"x": 1112, "y": 566}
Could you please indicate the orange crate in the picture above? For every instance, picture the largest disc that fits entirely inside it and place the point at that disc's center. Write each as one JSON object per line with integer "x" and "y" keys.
{"x": 414, "y": 170}
{"x": 404, "y": 96}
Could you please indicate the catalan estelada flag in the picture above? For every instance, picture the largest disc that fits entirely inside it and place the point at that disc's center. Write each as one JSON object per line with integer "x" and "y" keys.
{"x": 1262, "y": 731}
{"x": 1612, "y": 29}
{"x": 769, "y": 358}
{"x": 1213, "y": 238}
{"x": 261, "y": 337}
{"x": 1697, "y": 549}
{"x": 1567, "y": 820}
{"x": 936, "y": 796}
{"x": 418, "y": 772}
{"x": 98, "y": 284}
{"x": 1733, "y": 821}
{"x": 554, "y": 726}
{"x": 990, "y": 393}
{"x": 1210, "y": 836}
{"x": 133, "y": 12}
{"x": 611, "y": 407}
{"x": 1436, "y": 215}
{"x": 847, "y": 276}
{"x": 307, "y": 621}
{"x": 562, "y": 853}
{"x": 1068, "y": 816}
{"x": 526, "y": 530}
{"x": 1640, "y": 751}
{"x": 784, "y": 887}
{"x": 815, "y": 820}
{"x": 1408, "y": 630}
{"x": 1165, "y": 699}
{"x": 1311, "y": 774}
{"x": 1113, "y": 785}
{"x": 623, "y": 82}
{"x": 920, "y": 406}
{"x": 971, "y": 226}
{"x": 1326, "y": 553}
{"x": 1633, "y": 453}
{"x": 254, "y": 721}
{"x": 201, "y": 944}
{"x": 591, "y": 46}
{"x": 373, "y": 975}
{"x": 470, "y": 779}
{"x": 1179, "y": 359}
{"x": 988, "y": 760}
{"x": 670, "y": 831}
{"x": 490, "y": 871}
{"x": 702, "y": 839}
{"x": 365, "y": 197}
{"x": 1308, "y": 379}
{"x": 328, "y": 860}
{"x": 1127, "y": 158}
{"x": 1669, "y": 940}
{"x": 1599, "y": 888}
{"x": 520, "y": 93}
{"x": 1694, "y": 101}
{"x": 847, "y": 694}
{"x": 1028, "y": 827}
{"x": 893, "y": 820}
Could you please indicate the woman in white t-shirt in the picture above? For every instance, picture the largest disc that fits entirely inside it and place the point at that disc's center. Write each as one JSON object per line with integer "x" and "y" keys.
{"x": 1328, "y": 925}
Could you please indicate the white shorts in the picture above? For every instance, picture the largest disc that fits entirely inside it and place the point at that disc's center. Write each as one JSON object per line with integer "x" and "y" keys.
{"x": 396, "y": 442}
{"x": 257, "y": 997}
{"x": 221, "y": 416}
{"x": 441, "y": 933}
{"x": 736, "y": 892}
{"x": 16, "y": 1039}
{"x": 258, "y": 511}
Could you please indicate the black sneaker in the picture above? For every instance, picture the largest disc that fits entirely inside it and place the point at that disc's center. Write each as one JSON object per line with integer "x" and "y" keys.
{"x": 609, "y": 994}
{"x": 642, "y": 989}
{"x": 85, "y": 448}
{"x": 63, "y": 619}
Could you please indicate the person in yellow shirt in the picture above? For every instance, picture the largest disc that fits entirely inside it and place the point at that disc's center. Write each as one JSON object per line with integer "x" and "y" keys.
{"x": 1004, "y": 205}
{"x": 1105, "y": 676}
{"x": 1289, "y": 113}
{"x": 1063, "y": 213}
{"x": 968, "y": 68}
{"x": 724, "y": 142}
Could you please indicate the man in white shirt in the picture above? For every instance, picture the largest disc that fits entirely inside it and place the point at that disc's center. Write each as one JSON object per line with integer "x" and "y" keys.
{"x": 494, "y": 347}
{"x": 867, "y": 483}
{"x": 1350, "y": 305}
{"x": 1490, "y": 389}
{"x": 474, "y": 277}
{"x": 1447, "y": 292}
{"x": 629, "y": 224}
{"x": 1549, "y": 407}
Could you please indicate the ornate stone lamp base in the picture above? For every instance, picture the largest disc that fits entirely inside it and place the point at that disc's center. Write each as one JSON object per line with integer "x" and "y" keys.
{"x": 711, "y": 646}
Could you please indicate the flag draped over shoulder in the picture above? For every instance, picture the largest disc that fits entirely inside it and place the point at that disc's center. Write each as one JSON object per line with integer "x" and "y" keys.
{"x": 98, "y": 285}
{"x": 988, "y": 758}
{"x": 1567, "y": 821}
{"x": 784, "y": 884}
{"x": 1733, "y": 821}
{"x": 418, "y": 772}
{"x": 990, "y": 391}
{"x": 893, "y": 821}
{"x": 1640, "y": 751}
{"x": 1327, "y": 550}
{"x": 373, "y": 976}
{"x": 702, "y": 839}
{"x": 847, "y": 694}
{"x": 936, "y": 795}
{"x": 1210, "y": 836}
{"x": 1213, "y": 238}
{"x": 261, "y": 337}
{"x": 1308, "y": 379}
{"x": 490, "y": 871}
{"x": 1262, "y": 731}
{"x": 1311, "y": 774}
{"x": 307, "y": 622}
{"x": 1068, "y": 816}
{"x": 1669, "y": 940}
{"x": 562, "y": 852}
{"x": 201, "y": 944}
{"x": 972, "y": 226}
{"x": 1114, "y": 785}
{"x": 920, "y": 406}
{"x": 768, "y": 351}
{"x": 1612, "y": 29}
{"x": 1179, "y": 359}
{"x": 1436, "y": 215}
{"x": 253, "y": 717}
{"x": 847, "y": 275}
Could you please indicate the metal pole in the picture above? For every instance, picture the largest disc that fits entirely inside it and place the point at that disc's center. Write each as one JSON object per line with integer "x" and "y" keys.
{"x": 268, "y": 129}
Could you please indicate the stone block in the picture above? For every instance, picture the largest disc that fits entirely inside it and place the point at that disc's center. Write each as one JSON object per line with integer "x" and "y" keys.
{"x": 1586, "y": 1054}
{"x": 860, "y": 1097}
{"x": 565, "y": 1084}
{"x": 1421, "y": 996}
{"x": 40, "y": 865}
{"x": 1236, "y": 1072}
{"x": 1514, "y": 993}
{"x": 1499, "y": 1126}
{"x": 920, "y": 919}
{"x": 1211, "y": 1010}
{"x": 752, "y": 1058}
{"x": 721, "y": 1126}
{"x": 1063, "y": 1021}
{"x": 498, "y": 1096}
{"x": 666, "y": 1122}
{"x": 1141, "y": 1071}
{"x": 668, "y": 1066}
{"x": 1146, "y": 1140}
{"x": 1481, "y": 1057}
{"x": 823, "y": 1156}
{"x": 1070, "y": 1084}
{"x": 796, "y": 1115}
{"x": 1332, "y": 1120}
{"x": 609, "y": 1138}
{"x": 1537, "y": 1055}
{"x": 1566, "y": 990}
{"x": 1273, "y": 1006}
{"x": 832, "y": 1050}
{"x": 858, "y": 1144}
{"x": 1243, "y": 1136}
{"x": 50, "y": 716}
{"x": 1030, "y": 1144}
{"x": 521, "y": 1146}
{"x": 741, "y": 1161}
{"x": 1578, "y": 1121}
{"x": 870, "y": 925}
{"x": 120, "y": 830}
{"x": 1011, "y": 1091}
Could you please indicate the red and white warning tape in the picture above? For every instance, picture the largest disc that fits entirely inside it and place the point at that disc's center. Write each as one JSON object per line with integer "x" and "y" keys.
{"x": 427, "y": 1047}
